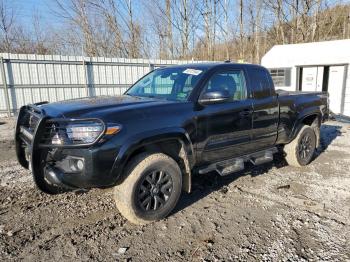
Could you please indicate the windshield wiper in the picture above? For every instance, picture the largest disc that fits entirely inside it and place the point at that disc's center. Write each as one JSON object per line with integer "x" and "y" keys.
{"x": 133, "y": 95}
{"x": 145, "y": 96}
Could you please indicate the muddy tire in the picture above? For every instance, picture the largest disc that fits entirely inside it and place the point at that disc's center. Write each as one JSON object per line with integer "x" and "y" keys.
{"x": 301, "y": 150}
{"x": 150, "y": 190}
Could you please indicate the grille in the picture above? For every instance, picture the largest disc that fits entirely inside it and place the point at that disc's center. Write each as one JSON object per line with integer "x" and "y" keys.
{"x": 29, "y": 121}
{"x": 33, "y": 122}
{"x": 54, "y": 130}
{"x": 30, "y": 117}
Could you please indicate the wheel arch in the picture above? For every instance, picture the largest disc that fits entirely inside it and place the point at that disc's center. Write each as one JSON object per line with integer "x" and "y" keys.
{"x": 174, "y": 143}
{"x": 310, "y": 118}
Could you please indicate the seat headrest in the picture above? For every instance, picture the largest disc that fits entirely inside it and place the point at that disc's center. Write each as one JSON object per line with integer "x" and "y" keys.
{"x": 223, "y": 83}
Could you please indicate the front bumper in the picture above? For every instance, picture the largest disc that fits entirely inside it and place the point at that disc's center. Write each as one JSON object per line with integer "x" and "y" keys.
{"x": 52, "y": 165}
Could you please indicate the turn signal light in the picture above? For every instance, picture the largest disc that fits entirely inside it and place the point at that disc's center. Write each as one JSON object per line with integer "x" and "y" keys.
{"x": 111, "y": 130}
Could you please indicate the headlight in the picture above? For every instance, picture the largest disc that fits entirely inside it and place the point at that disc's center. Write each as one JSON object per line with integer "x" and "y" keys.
{"x": 83, "y": 133}
{"x": 62, "y": 132}
{"x": 74, "y": 132}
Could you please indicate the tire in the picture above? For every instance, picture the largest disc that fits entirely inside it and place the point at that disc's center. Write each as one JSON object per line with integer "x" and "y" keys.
{"x": 301, "y": 150}
{"x": 151, "y": 189}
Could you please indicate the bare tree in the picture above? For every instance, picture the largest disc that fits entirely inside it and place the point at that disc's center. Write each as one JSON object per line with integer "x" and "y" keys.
{"x": 184, "y": 20}
{"x": 241, "y": 30}
{"x": 133, "y": 31}
{"x": 169, "y": 35}
{"x": 225, "y": 28}
{"x": 209, "y": 14}
{"x": 7, "y": 24}
{"x": 110, "y": 12}
{"x": 77, "y": 13}
{"x": 202, "y": 29}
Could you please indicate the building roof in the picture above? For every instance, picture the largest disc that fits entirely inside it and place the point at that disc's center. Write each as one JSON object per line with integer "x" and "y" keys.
{"x": 316, "y": 53}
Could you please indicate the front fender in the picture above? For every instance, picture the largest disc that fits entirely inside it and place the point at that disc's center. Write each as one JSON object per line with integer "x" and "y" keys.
{"x": 135, "y": 142}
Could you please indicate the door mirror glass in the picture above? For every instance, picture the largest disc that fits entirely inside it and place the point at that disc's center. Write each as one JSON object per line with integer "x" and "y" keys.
{"x": 214, "y": 97}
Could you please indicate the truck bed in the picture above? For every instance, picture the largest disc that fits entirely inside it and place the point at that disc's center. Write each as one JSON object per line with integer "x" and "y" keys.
{"x": 282, "y": 92}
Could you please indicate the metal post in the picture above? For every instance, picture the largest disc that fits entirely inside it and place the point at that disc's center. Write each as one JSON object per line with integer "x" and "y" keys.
{"x": 151, "y": 67}
{"x": 4, "y": 82}
{"x": 86, "y": 77}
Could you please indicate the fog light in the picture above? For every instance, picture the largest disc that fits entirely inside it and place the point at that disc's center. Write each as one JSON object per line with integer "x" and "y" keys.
{"x": 80, "y": 164}
{"x": 76, "y": 164}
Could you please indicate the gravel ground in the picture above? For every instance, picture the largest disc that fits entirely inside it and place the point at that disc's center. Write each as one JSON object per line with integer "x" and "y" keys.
{"x": 267, "y": 213}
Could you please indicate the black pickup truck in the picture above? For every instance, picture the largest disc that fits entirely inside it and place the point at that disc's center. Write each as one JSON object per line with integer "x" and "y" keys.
{"x": 174, "y": 122}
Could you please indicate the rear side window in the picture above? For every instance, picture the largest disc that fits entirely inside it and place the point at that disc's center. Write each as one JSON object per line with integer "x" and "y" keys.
{"x": 261, "y": 86}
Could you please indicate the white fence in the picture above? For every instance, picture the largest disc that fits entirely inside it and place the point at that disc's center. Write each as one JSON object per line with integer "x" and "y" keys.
{"x": 26, "y": 79}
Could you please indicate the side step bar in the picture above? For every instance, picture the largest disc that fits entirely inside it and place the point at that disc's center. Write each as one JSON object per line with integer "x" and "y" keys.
{"x": 230, "y": 166}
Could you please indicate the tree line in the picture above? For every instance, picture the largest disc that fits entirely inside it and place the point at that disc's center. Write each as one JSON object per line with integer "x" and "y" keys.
{"x": 173, "y": 29}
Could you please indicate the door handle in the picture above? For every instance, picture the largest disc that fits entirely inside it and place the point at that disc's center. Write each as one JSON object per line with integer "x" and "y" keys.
{"x": 245, "y": 112}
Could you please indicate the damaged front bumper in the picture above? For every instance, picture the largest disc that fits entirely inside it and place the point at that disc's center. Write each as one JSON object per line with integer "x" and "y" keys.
{"x": 67, "y": 167}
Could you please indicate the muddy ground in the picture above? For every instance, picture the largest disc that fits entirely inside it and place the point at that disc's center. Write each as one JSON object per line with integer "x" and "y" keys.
{"x": 269, "y": 213}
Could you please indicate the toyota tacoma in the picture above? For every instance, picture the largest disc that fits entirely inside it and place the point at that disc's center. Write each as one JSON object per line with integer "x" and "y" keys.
{"x": 171, "y": 124}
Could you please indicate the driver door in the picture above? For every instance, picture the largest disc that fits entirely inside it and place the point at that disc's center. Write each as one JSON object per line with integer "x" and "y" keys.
{"x": 224, "y": 128}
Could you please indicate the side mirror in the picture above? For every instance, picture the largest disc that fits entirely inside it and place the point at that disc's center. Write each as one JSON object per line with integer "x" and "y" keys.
{"x": 214, "y": 97}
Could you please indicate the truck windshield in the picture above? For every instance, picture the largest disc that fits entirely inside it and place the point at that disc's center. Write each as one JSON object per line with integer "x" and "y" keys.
{"x": 167, "y": 83}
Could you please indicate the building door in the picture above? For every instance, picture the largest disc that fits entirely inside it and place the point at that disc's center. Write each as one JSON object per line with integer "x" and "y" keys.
{"x": 325, "y": 78}
{"x": 335, "y": 88}
{"x": 312, "y": 78}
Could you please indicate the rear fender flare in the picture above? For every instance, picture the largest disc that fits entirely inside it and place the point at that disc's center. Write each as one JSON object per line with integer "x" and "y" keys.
{"x": 299, "y": 122}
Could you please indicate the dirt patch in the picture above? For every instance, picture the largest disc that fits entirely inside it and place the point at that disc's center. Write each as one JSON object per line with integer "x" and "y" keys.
{"x": 271, "y": 212}
{"x": 7, "y": 127}
{"x": 7, "y": 150}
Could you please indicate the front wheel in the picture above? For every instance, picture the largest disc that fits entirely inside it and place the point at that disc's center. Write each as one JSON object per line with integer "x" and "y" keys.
{"x": 150, "y": 190}
{"x": 300, "y": 151}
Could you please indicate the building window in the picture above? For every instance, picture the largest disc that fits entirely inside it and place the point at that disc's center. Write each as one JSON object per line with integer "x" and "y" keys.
{"x": 281, "y": 76}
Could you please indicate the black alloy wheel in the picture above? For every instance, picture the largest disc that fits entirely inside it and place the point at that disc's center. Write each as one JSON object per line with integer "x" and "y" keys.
{"x": 155, "y": 190}
{"x": 301, "y": 150}
{"x": 305, "y": 147}
{"x": 151, "y": 188}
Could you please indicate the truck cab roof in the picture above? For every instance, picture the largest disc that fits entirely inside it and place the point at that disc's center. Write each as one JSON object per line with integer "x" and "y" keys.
{"x": 216, "y": 65}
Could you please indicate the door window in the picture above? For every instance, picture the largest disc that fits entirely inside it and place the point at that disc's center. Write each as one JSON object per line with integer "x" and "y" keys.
{"x": 232, "y": 82}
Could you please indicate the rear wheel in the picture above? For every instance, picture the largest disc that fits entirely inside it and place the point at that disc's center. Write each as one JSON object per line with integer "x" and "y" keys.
{"x": 300, "y": 151}
{"x": 150, "y": 190}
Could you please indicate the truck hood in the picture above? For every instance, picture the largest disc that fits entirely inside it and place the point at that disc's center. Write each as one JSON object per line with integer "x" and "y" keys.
{"x": 95, "y": 106}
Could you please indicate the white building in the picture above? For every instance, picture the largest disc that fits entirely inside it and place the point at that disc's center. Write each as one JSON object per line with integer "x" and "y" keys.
{"x": 319, "y": 66}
